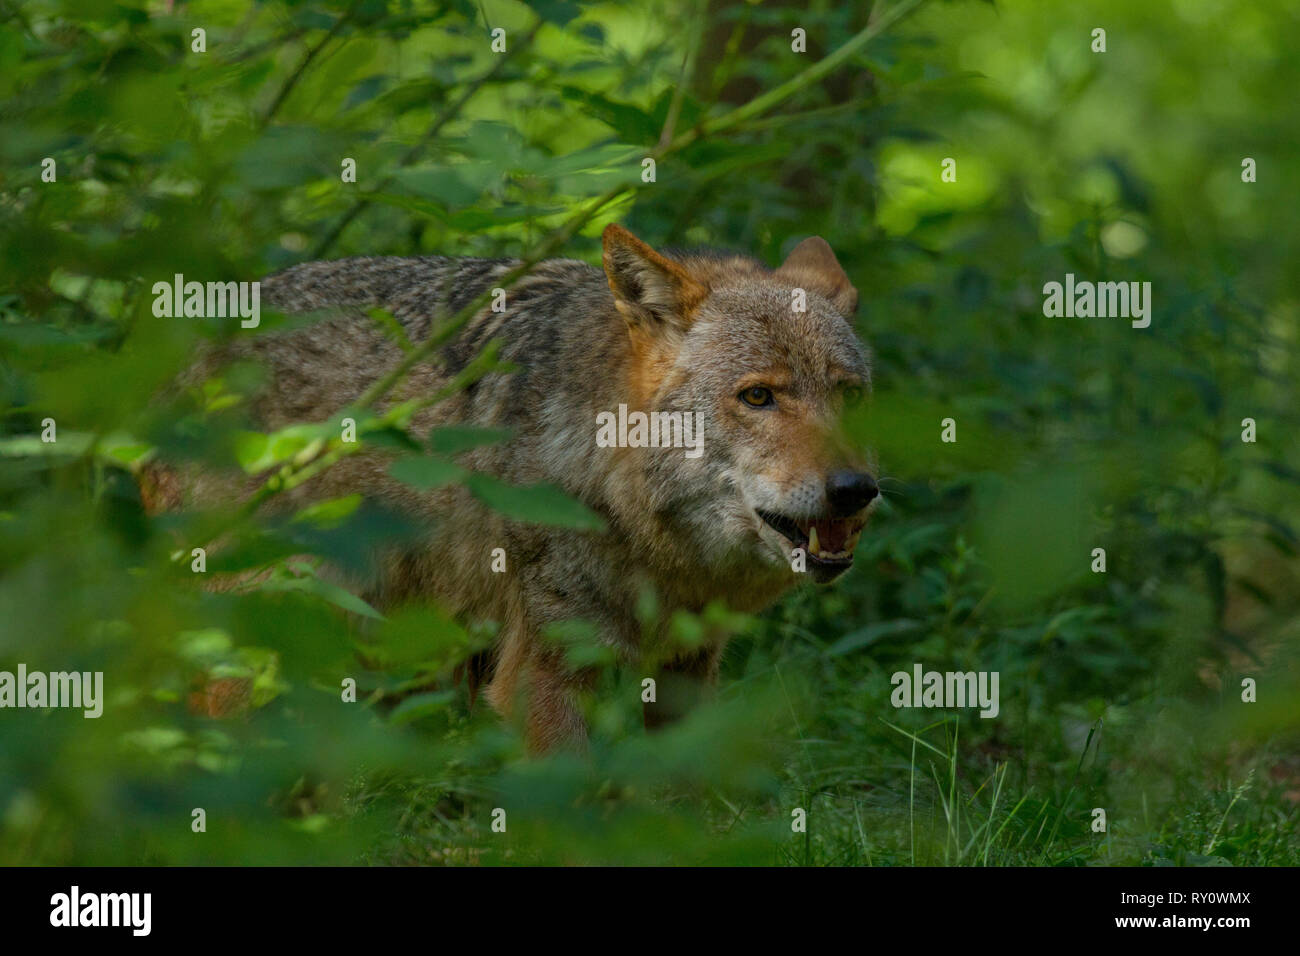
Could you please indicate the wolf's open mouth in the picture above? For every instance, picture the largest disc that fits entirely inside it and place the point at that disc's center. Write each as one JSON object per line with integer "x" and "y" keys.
{"x": 827, "y": 540}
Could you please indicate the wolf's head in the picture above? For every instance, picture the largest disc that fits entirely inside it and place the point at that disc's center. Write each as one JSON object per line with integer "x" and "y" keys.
{"x": 768, "y": 362}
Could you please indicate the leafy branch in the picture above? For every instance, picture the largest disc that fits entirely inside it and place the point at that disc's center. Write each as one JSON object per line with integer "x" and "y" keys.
{"x": 316, "y": 459}
{"x": 450, "y": 112}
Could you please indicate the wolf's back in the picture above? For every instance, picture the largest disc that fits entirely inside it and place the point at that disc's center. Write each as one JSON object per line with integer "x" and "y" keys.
{"x": 556, "y": 326}
{"x": 414, "y": 287}
{"x": 560, "y": 301}
{"x": 559, "y": 334}
{"x": 316, "y": 369}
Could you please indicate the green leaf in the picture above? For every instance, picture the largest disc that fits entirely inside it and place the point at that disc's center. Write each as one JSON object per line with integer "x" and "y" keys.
{"x": 426, "y": 472}
{"x": 453, "y": 439}
{"x": 420, "y": 635}
{"x": 203, "y": 646}
{"x": 256, "y": 452}
{"x": 69, "y": 443}
{"x": 632, "y": 124}
{"x": 392, "y": 328}
{"x": 558, "y": 12}
{"x": 441, "y": 185}
{"x": 421, "y": 705}
{"x": 500, "y": 215}
{"x": 126, "y": 453}
{"x": 394, "y": 438}
{"x": 536, "y": 504}
{"x": 283, "y": 156}
{"x": 323, "y": 589}
{"x": 329, "y": 513}
{"x": 154, "y": 740}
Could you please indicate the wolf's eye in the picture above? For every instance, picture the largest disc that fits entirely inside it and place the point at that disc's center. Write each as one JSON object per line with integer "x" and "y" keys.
{"x": 853, "y": 394}
{"x": 757, "y": 396}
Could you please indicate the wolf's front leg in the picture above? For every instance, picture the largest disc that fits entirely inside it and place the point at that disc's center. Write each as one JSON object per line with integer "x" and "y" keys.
{"x": 539, "y": 686}
{"x": 683, "y": 683}
{"x": 555, "y": 720}
{"x": 567, "y": 579}
{"x": 532, "y": 680}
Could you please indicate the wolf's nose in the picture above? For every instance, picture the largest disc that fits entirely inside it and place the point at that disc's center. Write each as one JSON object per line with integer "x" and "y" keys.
{"x": 849, "y": 492}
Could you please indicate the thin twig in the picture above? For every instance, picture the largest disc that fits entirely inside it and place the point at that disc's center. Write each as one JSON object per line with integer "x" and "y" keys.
{"x": 557, "y": 239}
{"x": 453, "y": 325}
{"x": 451, "y": 111}
{"x": 257, "y": 48}
{"x": 821, "y": 68}
{"x": 726, "y": 121}
{"x": 312, "y": 53}
{"x": 687, "y": 73}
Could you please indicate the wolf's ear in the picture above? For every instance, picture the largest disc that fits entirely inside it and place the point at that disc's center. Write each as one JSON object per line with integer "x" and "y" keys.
{"x": 813, "y": 265}
{"x": 648, "y": 288}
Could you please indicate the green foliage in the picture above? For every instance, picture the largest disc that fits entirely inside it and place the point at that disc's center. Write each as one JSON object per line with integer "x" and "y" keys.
{"x": 1119, "y": 690}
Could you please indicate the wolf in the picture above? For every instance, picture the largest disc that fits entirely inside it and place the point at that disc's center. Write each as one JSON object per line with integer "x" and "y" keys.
{"x": 776, "y": 486}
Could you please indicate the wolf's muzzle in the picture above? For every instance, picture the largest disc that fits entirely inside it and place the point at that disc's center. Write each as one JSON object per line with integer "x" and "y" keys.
{"x": 848, "y": 492}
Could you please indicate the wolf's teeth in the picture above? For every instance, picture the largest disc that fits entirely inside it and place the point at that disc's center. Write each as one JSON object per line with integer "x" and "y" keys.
{"x": 814, "y": 546}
